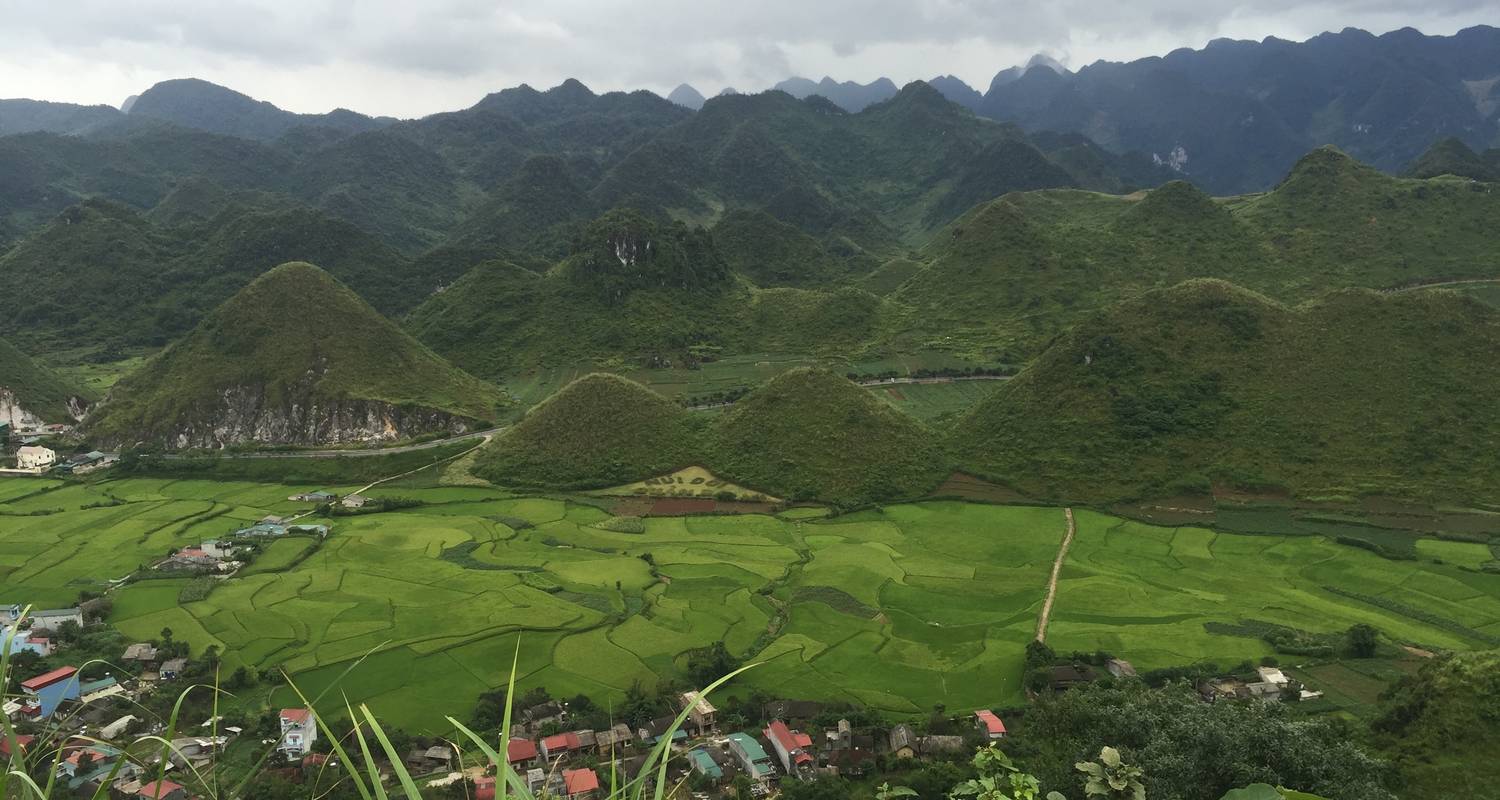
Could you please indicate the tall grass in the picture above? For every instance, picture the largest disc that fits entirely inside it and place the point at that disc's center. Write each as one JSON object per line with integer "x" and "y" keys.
{"x": 650, "y": 780}
{"x": 364, "y": 751}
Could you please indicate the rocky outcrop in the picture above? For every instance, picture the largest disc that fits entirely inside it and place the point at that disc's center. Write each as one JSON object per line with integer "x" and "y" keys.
{"x": 16, "y": 414}
{"x": 13, "y": 413}
{"x": 244, "y": 415}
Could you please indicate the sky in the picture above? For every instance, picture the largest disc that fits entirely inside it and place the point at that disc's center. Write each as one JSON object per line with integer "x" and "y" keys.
{"x": 408, "y": 58}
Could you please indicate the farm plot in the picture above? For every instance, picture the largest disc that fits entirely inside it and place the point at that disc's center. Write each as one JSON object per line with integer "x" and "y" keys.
{"x": 1145, "y": 593}
{"x": 895, "y": 608}
{"x": 932, "y": 401}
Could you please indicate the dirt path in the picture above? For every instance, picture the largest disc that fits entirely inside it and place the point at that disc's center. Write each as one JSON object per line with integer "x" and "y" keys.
{"x": 1062, "y": 554}
{"x": 482, "y": 443}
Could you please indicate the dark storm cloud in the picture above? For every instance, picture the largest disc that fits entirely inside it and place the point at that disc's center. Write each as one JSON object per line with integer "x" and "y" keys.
{"x": 396, "y": 56}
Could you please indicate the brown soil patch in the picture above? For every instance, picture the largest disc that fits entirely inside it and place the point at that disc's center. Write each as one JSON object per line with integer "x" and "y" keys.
{"x": 632, "y": 507}
{"x": 895, "y": 393}
{"x": 673, "y": 506}
{"x": 968, "y": 487}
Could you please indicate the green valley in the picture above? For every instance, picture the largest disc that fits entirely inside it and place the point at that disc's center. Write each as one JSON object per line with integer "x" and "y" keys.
{"x": 948, "y": 615}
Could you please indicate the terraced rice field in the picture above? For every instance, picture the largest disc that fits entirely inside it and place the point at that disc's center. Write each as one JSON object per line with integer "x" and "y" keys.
{"x": 896, "y": 608}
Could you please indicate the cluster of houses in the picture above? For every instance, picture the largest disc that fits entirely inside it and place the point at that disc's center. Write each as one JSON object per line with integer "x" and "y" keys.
{"x": 323, "y": 498}
{"x": 40, "y": 635}
{"x": 778, "y": 750}
{"x": 63, "y": 688}
{"x": 211, "y": 556}
{"x": 35, "y": 459}
{"x": 271, "y": 526}
{"x": 1272, "y": 685}
{"x": 146, "y": 657}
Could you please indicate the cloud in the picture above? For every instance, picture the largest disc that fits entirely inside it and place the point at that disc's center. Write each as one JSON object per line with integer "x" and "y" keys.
{"x": 399, "y": 57}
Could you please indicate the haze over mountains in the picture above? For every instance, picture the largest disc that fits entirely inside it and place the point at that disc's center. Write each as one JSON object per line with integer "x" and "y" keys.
{"x": 1231, "y": 116}
{"x": 539, "y": 229}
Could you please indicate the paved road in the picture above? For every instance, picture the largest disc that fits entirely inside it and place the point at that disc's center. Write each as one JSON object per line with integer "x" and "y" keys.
{"x": 349, "y": 453}
{"x": 1437, "y": 284}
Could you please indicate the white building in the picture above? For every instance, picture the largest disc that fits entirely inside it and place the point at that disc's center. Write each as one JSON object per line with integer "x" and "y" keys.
{"x": 35, "y": 457}
{"x": 299, "y": 729}
{"x": 1272, "y": 675}
{"x": 51, "y": 619}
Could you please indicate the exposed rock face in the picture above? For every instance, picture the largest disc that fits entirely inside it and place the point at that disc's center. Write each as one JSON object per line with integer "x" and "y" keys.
{"x": 13, "y": 414}
{"x": 244, "y": 415}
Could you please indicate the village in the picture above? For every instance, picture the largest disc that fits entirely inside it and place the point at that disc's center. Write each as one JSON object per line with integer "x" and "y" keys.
{"x": 792, "y": 741}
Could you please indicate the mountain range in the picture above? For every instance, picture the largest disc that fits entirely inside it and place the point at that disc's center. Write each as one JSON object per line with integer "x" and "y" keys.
{"x": 1231, "y": 116}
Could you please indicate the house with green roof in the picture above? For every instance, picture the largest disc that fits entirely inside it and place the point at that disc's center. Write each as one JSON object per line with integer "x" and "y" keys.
{"x": 753, "y": 758}
{"x": 704, "y": 764}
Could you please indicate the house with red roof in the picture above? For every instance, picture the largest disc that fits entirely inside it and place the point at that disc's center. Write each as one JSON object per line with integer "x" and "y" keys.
{"x": 791, "y": 748}
{"x": 47, "y": 691}
{"x": 520, "y": 752}
{"x": 82, "y": 756}
{"x": 161, "y": 790}
{"x": 580, "y": 783}
{"x": 992, "y": 725}
{"x": 299, "y": 729}
{"x": 484, "y": 787}
{"x": 560, "y": 745}
{"x": 23, "y": 741}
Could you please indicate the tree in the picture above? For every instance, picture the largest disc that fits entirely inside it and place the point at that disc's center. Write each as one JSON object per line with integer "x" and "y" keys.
{"x": 708, "y": 664}
{"x": 489, "y": 710}
{"x": 240, "y": 678}
{"x": 1194, "y": 750}
{"x": 1361, "y": 640}
{"x": 1112, "y": 778}
{"x": 24, "y": 665}
{"x": 69, "y": 631}
{"x": 166, "y": 635}
{"x": 743, "y": 788}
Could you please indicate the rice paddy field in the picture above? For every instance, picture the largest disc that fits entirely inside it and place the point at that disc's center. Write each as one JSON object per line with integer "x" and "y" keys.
{"x": 897, "y": 608}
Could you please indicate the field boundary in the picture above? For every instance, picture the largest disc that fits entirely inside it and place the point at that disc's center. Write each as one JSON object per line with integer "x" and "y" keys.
{"x": 1062, "y": 554}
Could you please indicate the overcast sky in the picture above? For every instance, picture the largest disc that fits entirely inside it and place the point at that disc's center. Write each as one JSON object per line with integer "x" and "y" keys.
{"x": 414, "y": 57}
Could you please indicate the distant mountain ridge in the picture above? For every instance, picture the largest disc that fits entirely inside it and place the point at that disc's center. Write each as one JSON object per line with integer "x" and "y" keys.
{"x": 848, "y": 95}
{"x": 188, "y": 102}
{"x": 1234, "y": 115}
{"x": 205, "y": 106}
{"x": 687, "y": 97}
